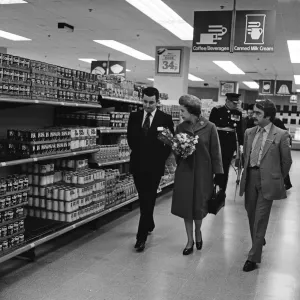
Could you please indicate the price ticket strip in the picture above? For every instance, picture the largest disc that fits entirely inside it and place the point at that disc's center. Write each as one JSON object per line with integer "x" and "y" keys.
{"x": 29, "y": 247}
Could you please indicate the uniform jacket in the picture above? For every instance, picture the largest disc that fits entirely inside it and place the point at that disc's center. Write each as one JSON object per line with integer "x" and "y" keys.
{"x": 147, "y": 152}
{"x": 275, "y": 162}
{"x": 221, "y": 116}
{"x": 193, "y": 184}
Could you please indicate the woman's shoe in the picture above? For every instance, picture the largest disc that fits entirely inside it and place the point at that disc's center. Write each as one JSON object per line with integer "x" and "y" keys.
{"x": 199, "y": 245}
{"x": 188, "y": 251}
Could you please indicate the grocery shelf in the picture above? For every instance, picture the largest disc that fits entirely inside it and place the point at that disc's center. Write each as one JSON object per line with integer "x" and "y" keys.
{"x": 12, "y": 235}
{"x": 12, "y": 221}
{"x": 115, "y": 162}
{"x": 41, "y": 158}
{"x": 122, "y": 100}
{"x": 46, "y": 102}
{"x": 12, "y": 207}
{"x": 68, "y": 228}
{"x": 110, "y": 130}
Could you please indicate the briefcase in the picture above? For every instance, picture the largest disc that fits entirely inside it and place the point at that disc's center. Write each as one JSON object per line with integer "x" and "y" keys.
{"x": 217, "y": 201}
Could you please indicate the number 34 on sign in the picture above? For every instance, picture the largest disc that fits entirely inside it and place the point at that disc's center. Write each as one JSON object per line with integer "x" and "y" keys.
{"x": 168, "y": 61}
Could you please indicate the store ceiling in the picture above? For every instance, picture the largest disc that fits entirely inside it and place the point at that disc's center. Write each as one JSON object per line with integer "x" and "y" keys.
{"x": 117, "y": 20}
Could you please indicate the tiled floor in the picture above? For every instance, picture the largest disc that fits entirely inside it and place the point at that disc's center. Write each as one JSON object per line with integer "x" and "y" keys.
{"x": 102, "y": 265}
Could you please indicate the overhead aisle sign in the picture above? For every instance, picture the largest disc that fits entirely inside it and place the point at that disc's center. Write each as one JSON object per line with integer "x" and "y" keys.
{"x": 254, "y": 31}
{"x": 266, "y": 87}
{"x": 212, "y": 31}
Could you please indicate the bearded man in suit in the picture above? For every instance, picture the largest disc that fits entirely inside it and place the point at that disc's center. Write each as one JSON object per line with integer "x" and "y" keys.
{"x": 148, "y": 158}
{"x": 267, "y": 158}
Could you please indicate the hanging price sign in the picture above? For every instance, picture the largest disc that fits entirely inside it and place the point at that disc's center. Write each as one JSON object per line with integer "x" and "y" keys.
{"x": 168, "y": 60}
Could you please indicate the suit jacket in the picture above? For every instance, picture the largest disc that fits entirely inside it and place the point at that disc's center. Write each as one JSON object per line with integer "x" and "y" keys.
{"x": 278, "y": 123}
{"x": 147, "y": 152}
{"x": 275, "y": 162}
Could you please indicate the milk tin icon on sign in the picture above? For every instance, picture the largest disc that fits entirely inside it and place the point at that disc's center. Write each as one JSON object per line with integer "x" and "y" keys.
{"x": 255, "y": 29}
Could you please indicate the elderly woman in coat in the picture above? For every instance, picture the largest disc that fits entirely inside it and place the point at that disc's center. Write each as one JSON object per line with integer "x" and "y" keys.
{"x": 194, "y": 177}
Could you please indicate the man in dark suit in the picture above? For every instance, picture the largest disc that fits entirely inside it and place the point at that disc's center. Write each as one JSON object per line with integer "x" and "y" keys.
{"x": 148, "y": 157}
{"x": 267, "y": 158}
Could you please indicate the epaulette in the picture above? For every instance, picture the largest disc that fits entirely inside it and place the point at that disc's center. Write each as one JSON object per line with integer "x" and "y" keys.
{"x": 219, "y": 106}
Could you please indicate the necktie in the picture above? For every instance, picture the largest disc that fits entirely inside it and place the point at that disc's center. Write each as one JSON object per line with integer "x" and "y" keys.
{"x": 146, "y": 124}
{"x": 255, "y": 153}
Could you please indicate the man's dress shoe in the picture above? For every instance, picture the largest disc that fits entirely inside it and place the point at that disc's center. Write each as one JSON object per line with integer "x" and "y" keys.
{"x": 249, "y": 266}
{"x": 140, "y": 246}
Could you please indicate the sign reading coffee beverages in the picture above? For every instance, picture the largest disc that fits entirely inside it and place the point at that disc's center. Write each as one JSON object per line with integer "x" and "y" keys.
{"x": 254, "y": 31}
{"x": 212, "y": 31}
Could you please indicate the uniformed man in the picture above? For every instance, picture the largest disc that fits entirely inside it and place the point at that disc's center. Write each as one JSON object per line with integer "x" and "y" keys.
{"x": 228, "y": 120}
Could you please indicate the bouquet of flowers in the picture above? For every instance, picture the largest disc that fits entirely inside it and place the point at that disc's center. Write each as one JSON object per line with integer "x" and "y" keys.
{"x": 182, "y": 144}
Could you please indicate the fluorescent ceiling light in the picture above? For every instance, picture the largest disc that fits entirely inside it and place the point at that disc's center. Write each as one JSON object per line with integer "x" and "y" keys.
{"x": 194, "y": 78}
{"x": 12, "y": 1}
{"x": 12, "y": 37}
{"x": 294, "y": 49}
{"x": 151, "y": 79}
{"x": 88, "y": 60}
{"x": 298, "y": 90}
{"x": 251, "y": 84}
{"x": 162, "y": 14}
{"x": 127, "y": 70}
{"x": 229, "y": 67}
{"x": 125, "y": 49}
{"x": 297, "y": 79}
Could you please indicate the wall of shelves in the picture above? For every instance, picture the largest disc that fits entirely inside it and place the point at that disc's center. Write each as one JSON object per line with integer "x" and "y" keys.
{"x": 35, "y": 113}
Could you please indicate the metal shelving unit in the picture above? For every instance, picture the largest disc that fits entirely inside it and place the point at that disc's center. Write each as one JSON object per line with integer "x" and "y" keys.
{"x": 70, "y": 227}
{"x": 66, "y": 227}
{"x": 110, "y": 130}
{"x": 115, "y": 162}
{"x": 53, "y": 103}
{"x": 46, "y": 157}
{"x": 122, "y": 100}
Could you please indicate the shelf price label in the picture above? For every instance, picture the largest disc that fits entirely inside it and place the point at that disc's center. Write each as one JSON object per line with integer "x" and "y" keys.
{"x": 168, "y": 60}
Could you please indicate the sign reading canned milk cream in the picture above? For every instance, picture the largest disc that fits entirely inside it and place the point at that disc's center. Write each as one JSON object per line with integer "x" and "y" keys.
{"x": 212, "y": 31}
{"x": 255, "y": 31}
{"x": 168, "y": 60}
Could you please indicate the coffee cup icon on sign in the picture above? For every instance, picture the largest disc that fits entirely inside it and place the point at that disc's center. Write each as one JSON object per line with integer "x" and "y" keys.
{"x": 215, "y": 34}
{"x": 255, "y": 29}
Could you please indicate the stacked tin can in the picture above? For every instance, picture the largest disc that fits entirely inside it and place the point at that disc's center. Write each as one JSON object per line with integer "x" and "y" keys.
{"x": 13, "y": 198}
{"x": 72, "y": 191}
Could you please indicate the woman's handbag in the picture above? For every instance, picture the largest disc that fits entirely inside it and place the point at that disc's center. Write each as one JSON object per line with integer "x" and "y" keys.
{"x": 217, "y": 201}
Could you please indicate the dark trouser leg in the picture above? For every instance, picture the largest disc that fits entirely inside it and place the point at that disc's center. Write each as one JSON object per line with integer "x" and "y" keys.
{"x": 147, "y": 185}
{"x": 258, "y": 210}
{"x": 287, "y": 181}
{"x": 227, "y": 155}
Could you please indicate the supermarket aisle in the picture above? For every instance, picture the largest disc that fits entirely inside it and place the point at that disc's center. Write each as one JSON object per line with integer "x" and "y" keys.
{"x": 102, "y": 265}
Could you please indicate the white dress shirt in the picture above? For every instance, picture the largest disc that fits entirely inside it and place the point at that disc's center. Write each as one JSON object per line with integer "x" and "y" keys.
{"x": 265, "y": 136}
{"x": 151, "y": 117}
